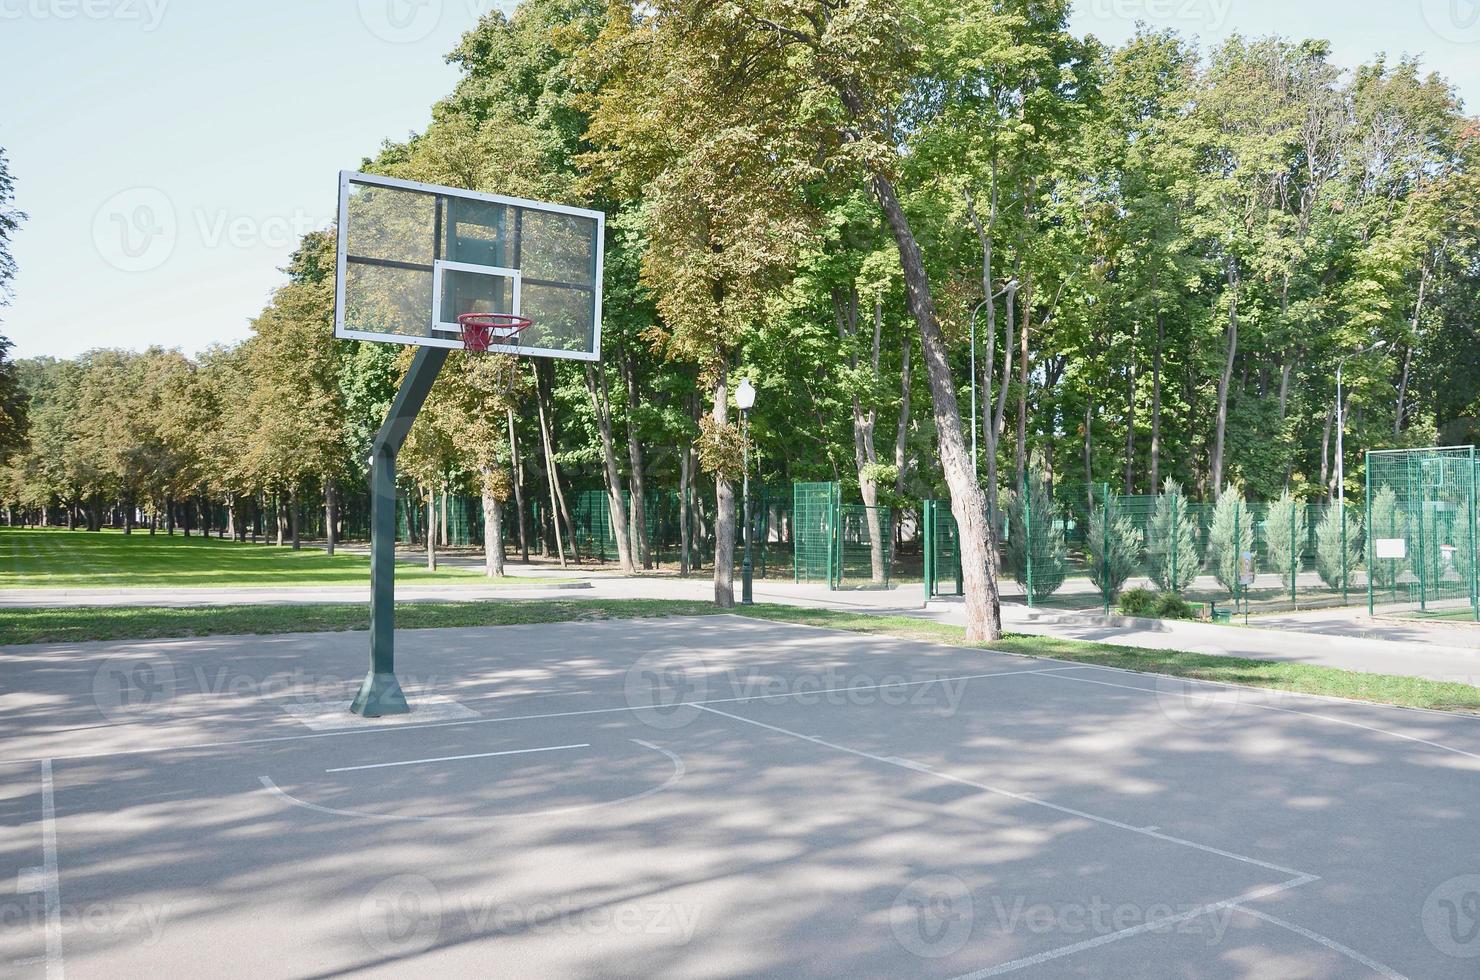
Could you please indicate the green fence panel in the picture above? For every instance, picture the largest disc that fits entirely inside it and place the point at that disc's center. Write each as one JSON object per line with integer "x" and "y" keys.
{"x": 814, "y": 528}
{"x": 1421, "y": 528}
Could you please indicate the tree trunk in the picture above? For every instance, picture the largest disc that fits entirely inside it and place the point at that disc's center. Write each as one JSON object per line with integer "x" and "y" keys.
{"x": 685, "y": 514}
{"x": 552, "y": 474}
{"x": 601, "y": 406}
{"x": 1226, "y": 379}
{"x": 431, "y": 534}
{"x": 516, "y": 467}
{"x": 724, "y": 509}
{"x": 1089, "y": 443}
{"x": 1402, "y": 406}
{"x": 293, "y": 521}
{"x": 1156, "y": 404}
{"x": 639, "y": 482}
{"x": 331, "y": 515}
{"x": 864, "y": 454}
{"x": 1326, "y": 479}
{"x": 983, "y": 611}
{"x": 446, "y": 524}
{"x": 493, "y": 531}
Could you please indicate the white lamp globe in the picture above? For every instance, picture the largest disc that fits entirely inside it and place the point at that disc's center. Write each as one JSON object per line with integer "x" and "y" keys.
{"x": 745, "y": 395}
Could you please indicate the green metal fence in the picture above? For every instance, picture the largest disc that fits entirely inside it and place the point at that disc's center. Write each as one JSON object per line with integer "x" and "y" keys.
{"x": 1422, "y": 528}
{"x": 942, "y": 551}
{"x": 814, "y": 526}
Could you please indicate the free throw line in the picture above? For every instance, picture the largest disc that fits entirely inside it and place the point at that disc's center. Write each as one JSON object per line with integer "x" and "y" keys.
{"x": 455, "y": 758}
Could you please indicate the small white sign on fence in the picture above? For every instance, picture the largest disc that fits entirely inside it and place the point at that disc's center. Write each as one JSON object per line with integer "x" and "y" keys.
{"x": 1390, "y": 547}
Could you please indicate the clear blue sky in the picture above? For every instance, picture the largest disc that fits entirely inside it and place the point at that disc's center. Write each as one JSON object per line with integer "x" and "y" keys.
{"x": 170, "y": 152}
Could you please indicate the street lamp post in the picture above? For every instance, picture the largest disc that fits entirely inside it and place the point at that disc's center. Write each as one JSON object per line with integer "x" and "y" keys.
{"x": 745, "y": 399}
{"x": 1011, "y": 287}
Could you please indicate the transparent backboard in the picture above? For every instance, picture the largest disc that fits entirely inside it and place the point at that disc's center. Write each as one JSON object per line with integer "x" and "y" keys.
{"x": 414, "y": 257}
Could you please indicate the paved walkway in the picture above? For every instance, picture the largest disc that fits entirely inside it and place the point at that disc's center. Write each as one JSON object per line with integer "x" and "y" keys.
{"x": 1343, "y": 638}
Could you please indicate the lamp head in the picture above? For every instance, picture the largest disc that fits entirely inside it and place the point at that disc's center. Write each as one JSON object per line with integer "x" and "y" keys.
{"x": 745, "y": 395}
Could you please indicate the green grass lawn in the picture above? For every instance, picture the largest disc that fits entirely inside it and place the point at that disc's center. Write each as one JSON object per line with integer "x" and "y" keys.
{"x": 28, "y": 625}
{"x": 42, "y": 558}
{"x": 1463, "y": 615}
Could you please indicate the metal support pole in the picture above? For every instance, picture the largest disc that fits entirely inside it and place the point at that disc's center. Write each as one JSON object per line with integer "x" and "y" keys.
{"x": 380, "y": 694}
{"x": 1371, "y": 600}
{"x": 928, "y": 515}
{"x": 746, "y": 597}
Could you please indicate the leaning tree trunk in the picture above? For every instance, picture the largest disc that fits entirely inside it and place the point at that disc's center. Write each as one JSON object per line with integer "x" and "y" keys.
{"x": 1225, "y": 380}
{"x": 639, "y": 484}
{"x": 724, "y": 508}
{"x": 552, "y": 475}
{"x": 983, "y": 606}
{"x": 601, "y": 406}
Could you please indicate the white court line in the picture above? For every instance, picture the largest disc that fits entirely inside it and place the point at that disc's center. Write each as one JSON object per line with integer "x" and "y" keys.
{"x": 51, "y": 876}
{"x": 269, "y": 739}
{"x": 1150, "y": 926}
{"x": 1330, "y": 944}
{"x": 1021, "y": 797}
{"x": 456, "y": 758}
{"x": 1267, "y": 707}
{"x": 679, "y": 770}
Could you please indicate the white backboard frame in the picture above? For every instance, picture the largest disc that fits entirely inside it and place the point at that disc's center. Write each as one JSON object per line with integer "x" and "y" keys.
{"x": 348, "y": 177}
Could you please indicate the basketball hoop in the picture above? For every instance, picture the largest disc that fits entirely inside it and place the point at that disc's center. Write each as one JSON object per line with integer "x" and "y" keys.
{"x": 483, "y": 330}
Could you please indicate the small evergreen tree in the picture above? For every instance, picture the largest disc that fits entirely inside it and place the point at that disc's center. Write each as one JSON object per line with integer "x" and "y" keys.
{"x": 1386, "y": 521}
{"x": 1333, "y": 561}
{"x": 1284, "y": 533}
{"x": 1230, "y": 535}
{"x": 1036, "y": 530}
{"x": 1171, "y": 547}
{"x": 1114, "y": 547}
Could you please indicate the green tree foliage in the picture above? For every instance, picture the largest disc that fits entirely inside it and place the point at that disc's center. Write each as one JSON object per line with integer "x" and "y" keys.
{"x": 1113, "y": 545}
{"x": 10, "y": 222}
{"x": 1036, "y": 551}
{"x": 1230, "y": 536}
{"x": 1285, "y": 533}
{"x": 1338, "y": 552}
{"x": 1171, "y": 541}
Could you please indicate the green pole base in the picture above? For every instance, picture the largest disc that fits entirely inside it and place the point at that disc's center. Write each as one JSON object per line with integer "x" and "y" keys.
{"x": 380, "y": 695}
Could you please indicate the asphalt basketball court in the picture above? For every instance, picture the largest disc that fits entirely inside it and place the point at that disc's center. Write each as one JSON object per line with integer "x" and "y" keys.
{"x": 715, "y": 797}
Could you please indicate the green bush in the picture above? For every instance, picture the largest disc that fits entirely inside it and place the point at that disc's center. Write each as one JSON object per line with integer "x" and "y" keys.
{"x": 1037, "y": 530}
{"x": 1333, "y": 561}
{"x": 1169, "y": 605}
{"x": 1113, "y": 550}
{"x": 1230, "y": 534}
{"x": 1138, "y": 602}
{"x": 1284, "y": 536}
{"x": 1171, "y": 548}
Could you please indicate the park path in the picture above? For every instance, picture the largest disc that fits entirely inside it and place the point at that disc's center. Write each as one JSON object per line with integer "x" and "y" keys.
{"x": 1344, "y": 638}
